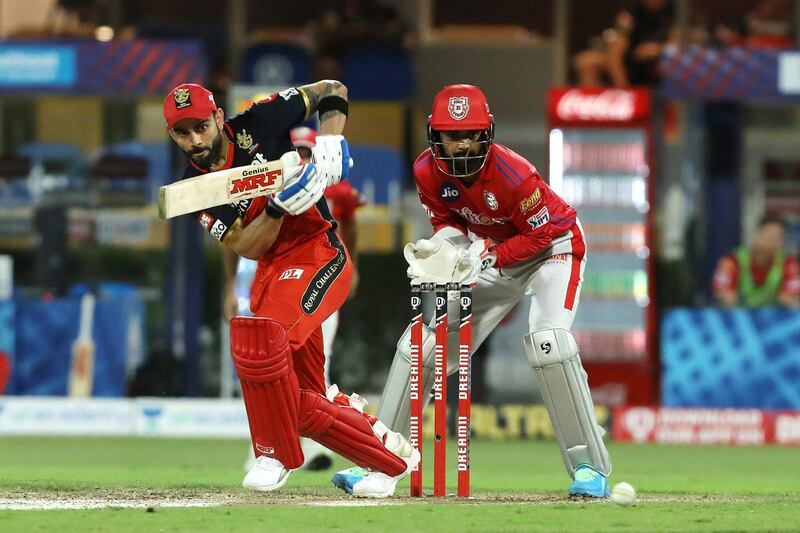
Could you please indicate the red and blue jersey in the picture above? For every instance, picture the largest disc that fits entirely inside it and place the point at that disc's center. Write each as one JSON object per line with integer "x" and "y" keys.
{"x": 509, "y": 203}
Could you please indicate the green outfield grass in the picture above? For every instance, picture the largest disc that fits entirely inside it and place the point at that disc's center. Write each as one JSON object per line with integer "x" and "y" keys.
{"x": 518, "y": 486}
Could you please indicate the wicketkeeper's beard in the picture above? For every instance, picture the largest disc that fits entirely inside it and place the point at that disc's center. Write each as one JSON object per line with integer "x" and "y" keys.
{"x": 211, "y": 156}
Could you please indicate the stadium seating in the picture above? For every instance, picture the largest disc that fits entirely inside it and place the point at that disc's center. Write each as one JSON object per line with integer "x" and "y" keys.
{"x": 154, "y": 156}
{"x": 378, "y": 73}
{"x": 276, "y": 65}
{"x": 57, "y": 170}
{"x": 14, "y": 171}
{"x": 378, "y": 173}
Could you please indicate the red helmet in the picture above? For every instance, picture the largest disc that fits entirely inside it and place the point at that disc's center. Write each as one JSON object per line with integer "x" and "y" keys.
{"x": 460, "y": 108}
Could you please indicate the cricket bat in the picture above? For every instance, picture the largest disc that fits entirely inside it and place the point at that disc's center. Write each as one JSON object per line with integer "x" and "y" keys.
{"x": 81, "y": 372}
{"x": 222, "y": 187}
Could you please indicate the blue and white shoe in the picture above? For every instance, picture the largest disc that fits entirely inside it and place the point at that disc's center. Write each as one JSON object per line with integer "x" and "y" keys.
{"x": 370, "y": 483}
{"x": 347, "y": 479}
{"x": 589, "y": 482}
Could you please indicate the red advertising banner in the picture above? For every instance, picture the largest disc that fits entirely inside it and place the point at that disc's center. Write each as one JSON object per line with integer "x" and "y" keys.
{"x": 576, "y": 106}
{"x": 787, "y": 428}
{"x": 740, "y": 427}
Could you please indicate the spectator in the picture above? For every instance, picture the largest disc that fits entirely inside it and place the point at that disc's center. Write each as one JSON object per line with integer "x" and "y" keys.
{"x": 761, "y": 275}
{"x": 628, "y": 54}
{"x": 768, "y": 25}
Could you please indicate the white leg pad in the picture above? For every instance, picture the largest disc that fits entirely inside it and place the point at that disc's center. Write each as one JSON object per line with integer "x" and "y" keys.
{"x": 553, "y": 354}
{"x": 394, "y": 409}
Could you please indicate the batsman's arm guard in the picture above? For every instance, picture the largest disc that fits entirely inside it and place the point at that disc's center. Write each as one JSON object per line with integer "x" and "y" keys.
{"x": 553, "y": 354}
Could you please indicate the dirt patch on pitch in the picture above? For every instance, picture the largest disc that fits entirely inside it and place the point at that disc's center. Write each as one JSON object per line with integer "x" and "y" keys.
{"x": 167, "y": 498}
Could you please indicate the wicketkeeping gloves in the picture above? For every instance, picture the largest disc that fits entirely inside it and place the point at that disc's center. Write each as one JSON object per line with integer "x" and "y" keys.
{"x": 474, "y": 260}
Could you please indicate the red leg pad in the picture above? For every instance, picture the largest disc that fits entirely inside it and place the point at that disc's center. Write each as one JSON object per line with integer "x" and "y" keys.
{"x": 263, "y": 360}
{"x": 347, "y": 432}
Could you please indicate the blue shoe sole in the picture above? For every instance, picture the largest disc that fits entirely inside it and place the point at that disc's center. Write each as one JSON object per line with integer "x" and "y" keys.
{"x": 589, "y": 493}
{"x": 340, "y": 481}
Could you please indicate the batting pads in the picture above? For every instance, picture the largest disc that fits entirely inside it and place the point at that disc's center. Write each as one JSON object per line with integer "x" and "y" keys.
{"x": 553, "y": 354}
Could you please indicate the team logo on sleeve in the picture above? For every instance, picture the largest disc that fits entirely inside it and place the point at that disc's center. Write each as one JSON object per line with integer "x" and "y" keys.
{"x": 286, "y": 94}
{"x": 490, "y": 200}
{"x": 206, "y": 220}
{"x": 540, "y": 219}
{"x": 244, "y": 140}
{"x": 449, "y": 192}
{"x": 182, "y": 98}
{"x": 218, "y": 230}
{"x": 458, "y": 106}
{"x": 530, "y": 202}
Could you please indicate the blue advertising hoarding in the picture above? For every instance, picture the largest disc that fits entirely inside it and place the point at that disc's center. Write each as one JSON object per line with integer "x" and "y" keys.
{"x": 737, "y": 358}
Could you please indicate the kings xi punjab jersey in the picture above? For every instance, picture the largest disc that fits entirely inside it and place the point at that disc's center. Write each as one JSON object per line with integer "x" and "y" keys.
{"x": 508, "y": 203}
{"x": 258, "y": 135}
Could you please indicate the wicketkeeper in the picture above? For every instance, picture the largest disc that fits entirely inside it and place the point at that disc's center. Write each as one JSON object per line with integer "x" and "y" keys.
{"x": 498, "y": 225}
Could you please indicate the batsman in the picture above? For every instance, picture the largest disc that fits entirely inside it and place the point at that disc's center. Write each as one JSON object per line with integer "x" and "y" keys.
{"x": 303, "y": 276}
{"x": 498, "y": 225}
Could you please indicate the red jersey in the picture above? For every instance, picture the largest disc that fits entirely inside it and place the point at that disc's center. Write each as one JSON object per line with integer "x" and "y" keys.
{"x": 508, "y": 203}
{"x": 726, "y": 275}
{"x": 258, "y": 135}
{"x": 343, "y": 200}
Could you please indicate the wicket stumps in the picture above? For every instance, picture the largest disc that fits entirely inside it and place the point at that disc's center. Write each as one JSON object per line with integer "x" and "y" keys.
{"x": 441, "y": 291}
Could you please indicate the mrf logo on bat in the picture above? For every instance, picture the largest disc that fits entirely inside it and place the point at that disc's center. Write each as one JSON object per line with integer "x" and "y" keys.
{"x": 252, "y": 180}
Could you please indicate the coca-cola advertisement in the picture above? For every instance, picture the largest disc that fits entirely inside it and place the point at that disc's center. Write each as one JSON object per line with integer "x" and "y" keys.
{"x": 573, "y": 105}
{"x": 601, "y": 162}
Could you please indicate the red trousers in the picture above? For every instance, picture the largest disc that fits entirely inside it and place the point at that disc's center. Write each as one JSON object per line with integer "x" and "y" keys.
{"x": 300, "y": 289}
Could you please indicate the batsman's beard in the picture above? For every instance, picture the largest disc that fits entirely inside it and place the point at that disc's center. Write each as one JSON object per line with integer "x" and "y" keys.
{"x": 214, "y": 153}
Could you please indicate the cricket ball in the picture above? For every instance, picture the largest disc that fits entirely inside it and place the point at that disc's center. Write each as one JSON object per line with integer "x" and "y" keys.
{"x": 623, "y": 494}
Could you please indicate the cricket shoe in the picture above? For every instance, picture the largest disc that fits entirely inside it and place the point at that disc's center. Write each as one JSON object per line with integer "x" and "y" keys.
{"x": 267, "y": 474}
{"x": 371, "y": 483}
{"x": 589, "y": 482}
{"x": 317, "y": 456}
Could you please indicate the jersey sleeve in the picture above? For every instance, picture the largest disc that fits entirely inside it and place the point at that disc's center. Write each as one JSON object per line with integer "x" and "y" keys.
{"x": 281, "y": 111}
{"x": 530, "y": 214}
{"x": 219, "y": 220}
{"x": 438, "y": 212}
{"x": 791, "y": 278}
{"x": 726, "y": 275}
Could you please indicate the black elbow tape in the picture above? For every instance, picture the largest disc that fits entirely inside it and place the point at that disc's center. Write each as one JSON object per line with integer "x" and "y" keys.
{"x": 333, "y": 103}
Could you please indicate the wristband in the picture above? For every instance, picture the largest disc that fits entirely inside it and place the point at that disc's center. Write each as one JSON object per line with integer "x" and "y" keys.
{"x": 273, "y": 210}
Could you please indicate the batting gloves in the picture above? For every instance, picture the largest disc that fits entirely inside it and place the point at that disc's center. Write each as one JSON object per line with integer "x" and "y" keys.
{"x": 304, "y": 186}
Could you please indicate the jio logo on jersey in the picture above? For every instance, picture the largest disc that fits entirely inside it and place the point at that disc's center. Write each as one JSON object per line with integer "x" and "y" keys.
{"x": 449, "y": 192}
